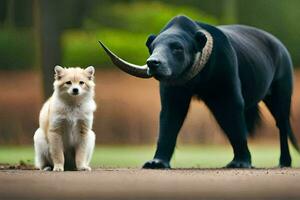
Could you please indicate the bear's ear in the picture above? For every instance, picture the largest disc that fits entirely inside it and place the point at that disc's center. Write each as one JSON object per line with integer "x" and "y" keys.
{"x": 150, "y": 40}
{"x": 58, "y": 72}
{"x": 200, "y": 40}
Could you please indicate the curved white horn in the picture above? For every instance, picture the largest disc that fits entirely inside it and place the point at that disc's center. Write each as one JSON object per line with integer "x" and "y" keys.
{"x": 132, "y": 69}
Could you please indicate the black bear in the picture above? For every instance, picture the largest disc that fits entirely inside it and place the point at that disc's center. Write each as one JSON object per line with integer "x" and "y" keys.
{"x": 231, "y": 68}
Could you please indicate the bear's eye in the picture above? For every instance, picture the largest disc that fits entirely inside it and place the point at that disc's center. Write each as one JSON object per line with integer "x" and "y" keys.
{"x": 68, "y": 82}
{"x": 176, "y": 48}
{"x": 81, "y": 82}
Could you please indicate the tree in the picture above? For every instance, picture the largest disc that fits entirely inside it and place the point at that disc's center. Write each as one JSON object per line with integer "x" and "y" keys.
{"x": 48, "y": 31}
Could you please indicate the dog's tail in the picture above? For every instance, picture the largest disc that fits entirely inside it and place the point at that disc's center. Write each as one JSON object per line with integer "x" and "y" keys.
{"x": 253, "y": 119}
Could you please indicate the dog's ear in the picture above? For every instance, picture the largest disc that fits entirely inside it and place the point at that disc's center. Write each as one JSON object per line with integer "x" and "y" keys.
{"x": 150, "y": 40}
{"x": 91, "y": 71}
{"x": 58, "y": 72}
{"x": 200, "y": 40}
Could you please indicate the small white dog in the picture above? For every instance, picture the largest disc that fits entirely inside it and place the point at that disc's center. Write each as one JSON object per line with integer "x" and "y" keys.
{"x": 65, "y": 139}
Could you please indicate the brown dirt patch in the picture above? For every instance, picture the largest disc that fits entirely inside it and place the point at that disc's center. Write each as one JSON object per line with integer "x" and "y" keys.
{"x": 152, "y": 184}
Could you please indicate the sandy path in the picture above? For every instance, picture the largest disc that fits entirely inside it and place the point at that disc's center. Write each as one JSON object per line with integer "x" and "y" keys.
{"x": 152, "y": 184}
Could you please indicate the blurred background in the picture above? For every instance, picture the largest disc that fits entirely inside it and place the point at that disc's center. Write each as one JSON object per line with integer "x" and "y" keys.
{"x": 35, "y": 35}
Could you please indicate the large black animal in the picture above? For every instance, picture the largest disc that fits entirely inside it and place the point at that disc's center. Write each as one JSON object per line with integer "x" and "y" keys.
{"x": 231, "y": 68}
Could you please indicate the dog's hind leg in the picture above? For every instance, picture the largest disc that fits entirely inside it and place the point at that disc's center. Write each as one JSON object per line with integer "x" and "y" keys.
{"x": 278, "y": 102}
{"x": 41, "y": 151}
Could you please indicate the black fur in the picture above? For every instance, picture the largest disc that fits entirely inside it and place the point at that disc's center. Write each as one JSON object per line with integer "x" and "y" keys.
{"x": 253, "y": 119}
{"x": 247, "y": 65}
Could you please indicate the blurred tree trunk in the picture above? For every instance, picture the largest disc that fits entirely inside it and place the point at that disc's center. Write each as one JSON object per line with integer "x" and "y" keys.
{"x": 10, "y": 14}
{"x": 48, "y": 32}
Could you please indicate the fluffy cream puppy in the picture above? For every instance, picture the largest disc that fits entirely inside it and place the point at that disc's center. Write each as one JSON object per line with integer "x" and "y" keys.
{"x": 65, "y": 139}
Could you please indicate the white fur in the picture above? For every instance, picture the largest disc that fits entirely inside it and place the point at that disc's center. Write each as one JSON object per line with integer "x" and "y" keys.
{"x": 65, "y": 124}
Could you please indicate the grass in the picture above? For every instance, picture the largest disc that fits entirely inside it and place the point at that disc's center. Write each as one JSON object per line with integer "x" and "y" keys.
{"x": 201, "y": 156}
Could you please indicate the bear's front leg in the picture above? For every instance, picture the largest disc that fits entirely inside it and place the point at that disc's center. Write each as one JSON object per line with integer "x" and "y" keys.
{"x": 175, "y": 103}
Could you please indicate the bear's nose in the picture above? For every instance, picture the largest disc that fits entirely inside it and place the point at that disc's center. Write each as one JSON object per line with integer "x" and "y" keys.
{"x": 153, "y": 64}
{"x": 75, "y": 91}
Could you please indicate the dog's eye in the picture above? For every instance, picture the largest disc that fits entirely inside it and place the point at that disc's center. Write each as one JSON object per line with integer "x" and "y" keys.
{"x": 68, "y": 82}
{"x": 81, "y": 82}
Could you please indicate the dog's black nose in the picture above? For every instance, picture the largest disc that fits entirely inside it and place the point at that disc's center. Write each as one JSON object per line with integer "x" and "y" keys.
{"x": 75, "y": 90}
{"x": 153, "y": 64}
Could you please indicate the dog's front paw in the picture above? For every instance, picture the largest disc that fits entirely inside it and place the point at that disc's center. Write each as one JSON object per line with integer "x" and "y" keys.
{"x": 47, "y": 168}
{"x": 156, "y": 164}
{"x": 58, "y": 168}
{"x": 84, "y": 168}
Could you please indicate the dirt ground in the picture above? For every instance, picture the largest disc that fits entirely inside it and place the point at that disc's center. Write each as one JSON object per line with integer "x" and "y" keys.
{"x": 151, "y": 184}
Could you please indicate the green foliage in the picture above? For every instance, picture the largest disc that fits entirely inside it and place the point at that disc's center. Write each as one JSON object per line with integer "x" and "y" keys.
{"x": 82, "y": 48}
{"x": 123, "y": 27}
{"x": 277, "y": 17}
{"x": 141, "y": 16}
{"x": 16, "y": 49}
